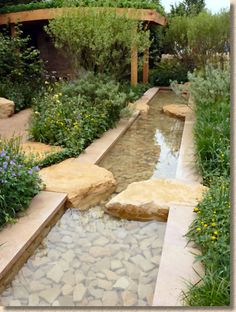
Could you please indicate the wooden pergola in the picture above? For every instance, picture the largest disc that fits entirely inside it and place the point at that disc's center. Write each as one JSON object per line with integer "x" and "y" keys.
{"x": 147, "y": 15}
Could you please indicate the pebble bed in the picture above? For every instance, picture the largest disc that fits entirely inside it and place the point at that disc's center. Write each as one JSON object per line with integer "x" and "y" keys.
{"x": 103, "y": 261}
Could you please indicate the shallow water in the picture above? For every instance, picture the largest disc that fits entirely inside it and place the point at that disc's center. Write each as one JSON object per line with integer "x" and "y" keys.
{"x": 150, "y": 147}
{"x": 92, "y": 259}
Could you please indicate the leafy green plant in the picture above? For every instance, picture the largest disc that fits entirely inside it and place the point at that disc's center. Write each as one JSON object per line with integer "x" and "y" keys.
{"x": 21, "y": 71}
{"x": 211, "y": 229}
{"x": 19, "y": 181}
{"x": 167, "y": 70}
{"x": 72, "y": 114}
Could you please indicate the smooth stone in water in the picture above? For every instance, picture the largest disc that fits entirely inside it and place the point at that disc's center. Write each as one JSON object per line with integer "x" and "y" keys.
{"x": 33, "y": 300}
{"x": 50, "y": 294}
{"x": 122, "y": 283}
{"x": 142, "y": 263}
{"x": 107, "y": 285}
{"x": 110, "y": 298}
{"x": 129, "y": 298}
{"x": 55, "y": 273}
{"x": 79, "y": 292}
{"x": 115, "y": 264}
{"x": 67, "y": 289}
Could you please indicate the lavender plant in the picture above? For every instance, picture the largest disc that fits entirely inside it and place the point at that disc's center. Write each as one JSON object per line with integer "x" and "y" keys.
{"x": 19, "y": 181}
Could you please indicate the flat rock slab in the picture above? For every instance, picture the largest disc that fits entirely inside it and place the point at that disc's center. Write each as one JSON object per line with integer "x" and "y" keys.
{"x": 85, "y": 184}
{"x": 151, "y": 199}
{"x": 176, "y": 110}
{"x": 7, "y": 108}
{"x": 39, "y": 151}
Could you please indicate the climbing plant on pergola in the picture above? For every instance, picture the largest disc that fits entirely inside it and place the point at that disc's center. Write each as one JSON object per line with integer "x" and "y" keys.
{"x": 146, "y": 15}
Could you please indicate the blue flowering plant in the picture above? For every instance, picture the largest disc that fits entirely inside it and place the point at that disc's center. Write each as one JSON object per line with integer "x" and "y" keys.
{"x": 19, "y": 181}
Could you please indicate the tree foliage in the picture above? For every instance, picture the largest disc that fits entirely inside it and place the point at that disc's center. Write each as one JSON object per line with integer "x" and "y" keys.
{"x": 98, "y": 41}
{"x": 187, "y": 7}
{"x": 201, "y": 38}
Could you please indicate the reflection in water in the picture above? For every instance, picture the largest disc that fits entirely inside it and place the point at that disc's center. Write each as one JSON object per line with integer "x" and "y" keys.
{"x": 149, "y": 148}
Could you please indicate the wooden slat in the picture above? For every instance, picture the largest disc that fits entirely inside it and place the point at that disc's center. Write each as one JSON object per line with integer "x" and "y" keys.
{"x": 47, "y": 14}
{"x": 146, "y": 66}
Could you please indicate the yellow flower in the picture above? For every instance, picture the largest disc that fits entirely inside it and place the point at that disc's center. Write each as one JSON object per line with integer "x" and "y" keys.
{"x": 216, "y": 233}
{"x": 205, "y": 225}
{"x": 213, "y": 224}
{"x": 213, "y": 237}
{"x": 198, "y": 229}
{"x": 196, "y": 209}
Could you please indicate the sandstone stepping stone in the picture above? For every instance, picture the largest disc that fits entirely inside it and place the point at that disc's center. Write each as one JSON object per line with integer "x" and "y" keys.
{"x": 39, "y": 150}
{"x": 7, "y": 108}
{"x": 122, "y": 283}
{"x": 85, "y": 184}
{"x": 176, "y": 110}
{"x": 145, "y": 291}
{"x": 151, "y": 199}
{"x": 129, "y": 298}
{"x": 110, "y": 298}
{"x": 20, "y": 292}
{"x": 79, "y": 292}
{"x": 50, "y": 294}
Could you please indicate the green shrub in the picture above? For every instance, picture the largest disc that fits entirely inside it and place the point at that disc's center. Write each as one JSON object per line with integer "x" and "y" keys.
{"x": 74, "y": 113}
{"x": 167, "y": 70}
{"x": 211, "y": 229}
{"x": 21, "y": 71}
{"x": 18, "y": 179}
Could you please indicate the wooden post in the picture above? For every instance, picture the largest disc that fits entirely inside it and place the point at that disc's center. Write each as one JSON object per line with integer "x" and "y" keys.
{"x": 13, "y": 30}
{"x": 134, "y": 66}
{"x": 145, "y": 65}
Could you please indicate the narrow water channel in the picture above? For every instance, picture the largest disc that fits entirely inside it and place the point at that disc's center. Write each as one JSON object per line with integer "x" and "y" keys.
{"x": 92, "y": 259}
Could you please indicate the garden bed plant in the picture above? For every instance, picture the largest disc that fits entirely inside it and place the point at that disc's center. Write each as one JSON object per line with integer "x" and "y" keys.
{"x": 211, "y": 228}
{"x": 39, "y": 4}
{"x": 73, "y": 114}
{"x": 19, "y": 181}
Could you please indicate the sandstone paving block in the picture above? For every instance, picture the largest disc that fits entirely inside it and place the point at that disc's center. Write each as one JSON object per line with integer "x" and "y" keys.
{"x": 86, "y": 184}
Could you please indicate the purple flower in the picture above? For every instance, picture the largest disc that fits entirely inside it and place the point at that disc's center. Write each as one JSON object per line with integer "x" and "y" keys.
{"x": 13, "y": 175}
{"x": 36, "y": 168}
{"x": 12, "y": 162}
{"x": 2, "y": 153}
{"x": 30, "y": 171}
{"x": 5, "y": 164}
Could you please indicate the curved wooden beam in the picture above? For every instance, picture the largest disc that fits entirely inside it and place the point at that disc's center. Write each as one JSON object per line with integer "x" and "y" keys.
{"x": 47, "y": 14}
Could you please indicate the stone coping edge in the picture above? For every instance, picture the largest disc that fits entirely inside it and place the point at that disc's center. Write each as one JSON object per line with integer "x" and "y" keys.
{"x": 177, "y": 266}
{"x": 16, "y": 238}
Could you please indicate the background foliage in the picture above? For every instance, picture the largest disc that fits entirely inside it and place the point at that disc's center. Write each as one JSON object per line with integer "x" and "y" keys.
{"x": 21, "y": 70}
